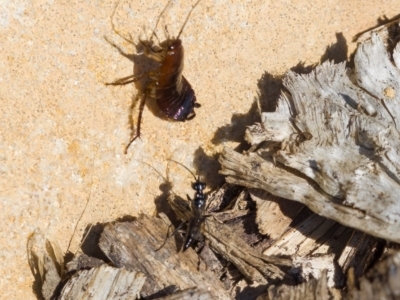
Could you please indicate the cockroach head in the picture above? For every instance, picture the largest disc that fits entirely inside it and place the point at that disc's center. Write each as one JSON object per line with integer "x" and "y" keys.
{"x": 174, "y": 44}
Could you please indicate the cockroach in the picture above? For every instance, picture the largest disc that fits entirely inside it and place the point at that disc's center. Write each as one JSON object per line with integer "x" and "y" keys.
{"x": 174, "y": 95}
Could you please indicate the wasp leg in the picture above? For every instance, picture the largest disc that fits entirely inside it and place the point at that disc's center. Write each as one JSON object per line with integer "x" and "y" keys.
{"x": 169, "y": 236}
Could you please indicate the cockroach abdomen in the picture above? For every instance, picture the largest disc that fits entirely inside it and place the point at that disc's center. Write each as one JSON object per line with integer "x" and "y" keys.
{"x": 178, "y": 105}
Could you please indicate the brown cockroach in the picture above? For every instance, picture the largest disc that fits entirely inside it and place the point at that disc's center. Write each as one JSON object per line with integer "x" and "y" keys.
{"x": 174, "y": 95}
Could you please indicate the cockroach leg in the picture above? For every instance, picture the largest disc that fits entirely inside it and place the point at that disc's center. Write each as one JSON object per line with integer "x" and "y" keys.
{"x": 153, "y": 75}
{"x": 190, "y": 117}
{"x": 125, "y": 80}
{"x": 149, "y": 92}
{"x": 133, "y": 78}
{"x": 139, "y": 122}
{"x": 157, "y": 55}
{"x": 114, "y": 27}
{"x": 128, "y": 56}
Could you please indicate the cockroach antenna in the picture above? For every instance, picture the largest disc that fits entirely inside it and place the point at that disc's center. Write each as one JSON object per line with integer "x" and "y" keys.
{"x": 187, "y": 18}
{"x": 158, "y": 20}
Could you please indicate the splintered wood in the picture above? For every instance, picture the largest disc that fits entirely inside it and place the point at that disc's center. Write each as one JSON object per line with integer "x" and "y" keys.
{"x": 333, "y": 143}
{"x": 106, "y": 283}
{"x": 381, "y": 282}
{"x": 139, "y": 267}
{"x": 136, "y": 246}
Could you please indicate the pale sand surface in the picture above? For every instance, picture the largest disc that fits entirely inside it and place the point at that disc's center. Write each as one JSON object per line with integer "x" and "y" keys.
{"x": 63, "y": 132}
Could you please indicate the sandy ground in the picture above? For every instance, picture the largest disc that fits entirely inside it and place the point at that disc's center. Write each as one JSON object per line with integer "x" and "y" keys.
{"x": 63, "y": 132}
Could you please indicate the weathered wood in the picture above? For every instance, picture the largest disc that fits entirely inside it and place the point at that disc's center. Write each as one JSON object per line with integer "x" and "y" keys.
{"x": 274, "y": 214}
{"x": 314, "y": 289}
{"x": 252, "y": 265}
{"x": 381, "y": 282}
{"x": 83, "y": 262}
{"x": 46, "y": 262}
{"x": 104, "y": 282}
{"x": 189, "y": 294}
{"x": 382, "y": 31}
{"x": 311, "y": 240}
{"x": 360, "y": 253}
{"x": 333, "y": 145}
{"x": 136, "y": 246}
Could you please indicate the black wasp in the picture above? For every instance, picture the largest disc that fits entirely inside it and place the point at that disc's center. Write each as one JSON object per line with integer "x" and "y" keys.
{"x": 197, "y": 205}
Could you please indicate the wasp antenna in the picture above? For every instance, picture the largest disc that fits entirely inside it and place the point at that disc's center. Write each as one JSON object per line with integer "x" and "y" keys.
{"x": 177, "y": 162}
{"x": 154, "y": 169}
{"x": 158, "y": 19}
{"x": 187, "y": 18}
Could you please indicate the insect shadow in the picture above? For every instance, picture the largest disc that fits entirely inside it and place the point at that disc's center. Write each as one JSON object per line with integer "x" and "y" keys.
{"x": 173, "y": 93}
